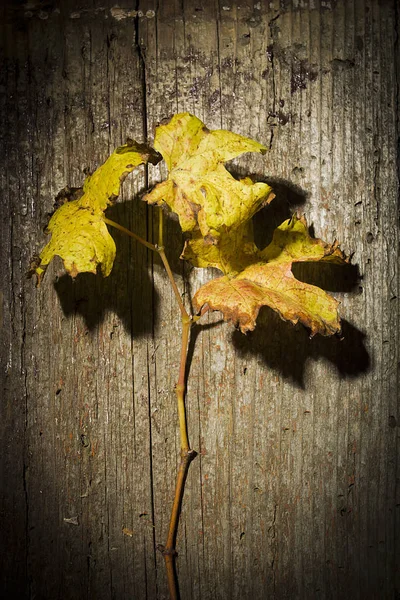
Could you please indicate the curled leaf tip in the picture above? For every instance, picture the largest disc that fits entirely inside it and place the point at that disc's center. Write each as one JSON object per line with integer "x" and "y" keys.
{"x": 146, "y": 152}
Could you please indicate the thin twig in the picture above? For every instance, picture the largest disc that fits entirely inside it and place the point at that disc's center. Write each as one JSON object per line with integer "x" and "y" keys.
{"x": 164, "y": 259}
{"x": 160, "y": 227}
{"x": 130, "y": 233}
{"x": 169, "y": 552}
{"x": 187, "y": 454}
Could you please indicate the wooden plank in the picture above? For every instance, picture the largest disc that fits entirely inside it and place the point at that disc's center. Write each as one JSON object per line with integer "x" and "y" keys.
{"x": 13, "y": 406}
{"x": 293, "y": 492}
{"x": 89, "y": 508}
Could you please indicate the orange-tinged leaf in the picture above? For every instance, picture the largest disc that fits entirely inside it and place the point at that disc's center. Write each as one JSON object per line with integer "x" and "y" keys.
{"x": 269, "y": 281}
{"x": 240, "y": 299}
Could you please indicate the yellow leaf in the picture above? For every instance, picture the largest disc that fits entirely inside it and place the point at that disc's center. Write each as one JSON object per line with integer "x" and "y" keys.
{"x": 199, "y": 189}
{"x": 269, "y": 281}
{"x": 234, "y": 251}
{"x": 291, "y": 241}
{"x": 102, "y": 188}
{"x": 79, "y": 235}
{"x": 81, "y": 238}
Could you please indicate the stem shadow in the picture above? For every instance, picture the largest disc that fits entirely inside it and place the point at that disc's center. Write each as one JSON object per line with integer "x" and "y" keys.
{"x": 197, "y": 328}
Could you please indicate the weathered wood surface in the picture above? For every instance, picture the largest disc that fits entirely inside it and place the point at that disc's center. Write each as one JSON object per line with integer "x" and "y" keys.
{"x": 295, "y": 492}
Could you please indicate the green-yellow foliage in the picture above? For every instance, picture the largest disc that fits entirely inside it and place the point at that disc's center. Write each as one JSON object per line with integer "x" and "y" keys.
{"x": 79, "y": 234}
{"x": 199, "y": 189}
{"x": 215, "y": 211}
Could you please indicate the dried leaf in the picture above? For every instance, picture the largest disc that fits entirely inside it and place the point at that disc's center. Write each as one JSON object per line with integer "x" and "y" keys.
{"x": 81, "y": 238}
{"x": 79, "y": 234}
{"x": 233, "y": 252}
{"x": 269, "y": 281}
{"x": 199, "y": 189}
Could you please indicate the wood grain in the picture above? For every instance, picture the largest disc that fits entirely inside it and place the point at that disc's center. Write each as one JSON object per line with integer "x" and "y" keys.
{"x": 295, "y": 490}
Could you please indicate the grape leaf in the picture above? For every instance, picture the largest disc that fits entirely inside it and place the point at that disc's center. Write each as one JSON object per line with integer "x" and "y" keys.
{"x": 267, "y": 280}
{"x": 233, "y": 252}
{"x": 199, "y": 189}
{"x": 79, "y": 233}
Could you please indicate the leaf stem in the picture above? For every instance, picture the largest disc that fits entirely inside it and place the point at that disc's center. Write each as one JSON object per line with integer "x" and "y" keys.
{"x": 180, "y": 387}
{"x": 130, "y": 233}
{"x": 159, "y": 248}
{"x": 187, "y": 455}
{"x": 184, "y": 313}
{"x": 160, "y": 227}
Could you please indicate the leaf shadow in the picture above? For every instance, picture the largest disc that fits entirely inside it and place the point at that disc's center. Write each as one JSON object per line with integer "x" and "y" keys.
{"x": 289, "y": 198}
{"x": 286, "y": 349}
{"x": 127, "y": 292}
